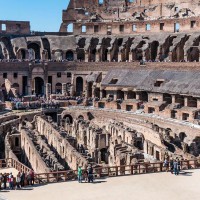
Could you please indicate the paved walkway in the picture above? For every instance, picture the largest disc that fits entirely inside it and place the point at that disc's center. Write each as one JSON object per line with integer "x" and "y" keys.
{"x": 160, "y": 186}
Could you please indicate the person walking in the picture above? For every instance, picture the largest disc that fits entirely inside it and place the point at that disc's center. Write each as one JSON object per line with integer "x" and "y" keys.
{"x": 32, "y": 174}
{"x": 86, "y": 175}
{"x": 175, "y": 167}
{"x": 166, "y": 165}
{"x": 90, "y": 174}
{"x": 79, "y": 174}
{"x": 171, "y": 166}
{"x": 11, "y": 182}
{"x": 22, "y": 179}
{"x": 18, "y": 181}
{"x": 1, "y": 180}
{"x": 4, "y": 181}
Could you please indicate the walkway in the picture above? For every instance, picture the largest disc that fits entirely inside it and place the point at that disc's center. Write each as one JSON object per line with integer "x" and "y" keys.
{"x": 158, "y": 186}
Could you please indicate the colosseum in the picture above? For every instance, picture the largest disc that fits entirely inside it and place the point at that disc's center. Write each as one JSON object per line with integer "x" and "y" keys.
{"x": 116, "y": 88}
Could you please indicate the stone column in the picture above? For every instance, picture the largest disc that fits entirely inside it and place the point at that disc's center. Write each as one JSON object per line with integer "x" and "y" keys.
{"x": 125, "y": 95}
{"x": 185, "y": 101}
{"x": 109, "y": 56}
{"x": 119, "y": 56}
{"x": 173, "y": 98}
{"x": 86, "y": 56}
{"x": 64, "y": 89}
{"x": 130, "y": 56}
{"x": 137, "y": 95}
{"x": 48, "y": 90}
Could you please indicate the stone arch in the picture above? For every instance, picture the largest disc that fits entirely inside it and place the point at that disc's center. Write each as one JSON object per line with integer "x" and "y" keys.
{"x": 131, "y": 95}
{"x": 38, "y": 86}
{"x": 58, "y": 54}
{"x": 105, "y": 45}
{"x": 70, "y": 28}
{"x": 46, "y": 46}
{"x": 79, "y": 86}
{"x": 6, "y": 48}
{"x": 182, "y": 136}
{"x": 154, "y": 50}
{"x": 93, "y": 44}
{"x": 68, "y": 118}
{"x": 80, "y": 117}
{"x": 69, "y": 55}
{"x": 58, "y": 88}
{"x": 193, "y": 54}
{"x": 34, "y": 51}
{"x": 80, "y": 50}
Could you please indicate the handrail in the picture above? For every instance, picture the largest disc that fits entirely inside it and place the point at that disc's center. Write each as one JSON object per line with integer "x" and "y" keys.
{"x": 108, "y": 171}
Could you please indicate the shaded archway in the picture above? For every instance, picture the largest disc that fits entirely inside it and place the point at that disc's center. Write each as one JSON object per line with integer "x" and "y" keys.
{"x": 68, "y": 119}
{"x": 58, "y": 88}
{"x": 70, "y": 55}
{"x": 39, "y": 86}
{"x": 79, "y": 86}
{"x": 34, "y": 51}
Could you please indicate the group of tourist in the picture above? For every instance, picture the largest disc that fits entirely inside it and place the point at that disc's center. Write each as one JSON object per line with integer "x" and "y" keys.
{"x": 8, "y": 181}
{"x": 86, "y": 175}
{"x": 173, "y": 165}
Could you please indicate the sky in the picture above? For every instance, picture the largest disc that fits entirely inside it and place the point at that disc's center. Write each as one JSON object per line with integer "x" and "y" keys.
{"x": 44, "y": 15}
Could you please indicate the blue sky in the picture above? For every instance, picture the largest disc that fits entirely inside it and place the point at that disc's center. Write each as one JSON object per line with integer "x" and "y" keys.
{"x": 44, "y": 15}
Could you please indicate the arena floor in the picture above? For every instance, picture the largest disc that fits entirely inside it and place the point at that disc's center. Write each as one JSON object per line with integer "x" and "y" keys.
{"x": 144, "y": 187}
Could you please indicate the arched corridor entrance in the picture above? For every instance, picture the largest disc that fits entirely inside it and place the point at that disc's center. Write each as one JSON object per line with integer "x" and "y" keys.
{"x": 38, "y": 86}
{"x": 79, "y": 86}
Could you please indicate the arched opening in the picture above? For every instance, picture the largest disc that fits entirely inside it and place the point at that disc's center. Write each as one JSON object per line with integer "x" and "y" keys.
{"x": 80, "y": 50}
{"x": 79, "y": 86}
{"x": 58, "y": 88}
{"x": 182, "y": 136}
{"x": 70, "y": 28}
{"x": 34, "y": 51}
{"x": 16, "y": 142}
{"x": 22, "y": 54}
{"x": 90, "y": 84}
{"x": 80, "y": 117}
{"x": 70, "y": 55}
{"x": 167, "y": 98}
{"x": 46, "y": 46}
{"x": 131, "y": 95}
{"x": 68, "y": 119}
{"x": 39, "y": 86}
{"x": 120, "y": 94}
{"x": 16, "y": 87}
{"x": 104, "y": 155}
{"x": 154, "y": 50}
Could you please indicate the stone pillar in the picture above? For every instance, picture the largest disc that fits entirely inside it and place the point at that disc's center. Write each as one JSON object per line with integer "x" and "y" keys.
{"x": 170, "y": 56}
{"x": 185, "y": 101}
{"x": 98, "y": 56}
{"x": 173, "y": 98}
{"x": 29, "y": 86}
{"x": 109, "y": 56}
{"x": 86, "y": 56}
{"x": 101, "y": 94}
{"x": 64, "y": 89}
{"x": 75, "y": 55}
{"x": 130, "y": 56}
{"x": 119, "y": 56}
{"x": 137, "y": 95}
{"x": 125, "y": 95}
{"x": 115, "y": 95}
{"x": 48, "y": 90}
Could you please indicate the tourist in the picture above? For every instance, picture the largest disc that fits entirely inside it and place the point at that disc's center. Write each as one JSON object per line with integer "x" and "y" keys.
{"x": 79, "y": 174}
{"x": 18, "y": 181}
{"x": 175, "y": 167}
{"x": 28, "y": 178}
{"x": 1, "y": 179}
{"x": 22, "y": 179}
{"x": 86, "y": 175}
{"x": 11, "y": 181}
{"x": 32, "y": 177}
{"x": 4, "y": 181}
{"x": 90, "y": 174}
{"x": 166, "y": 165}
{"x": 171, "y": 166}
